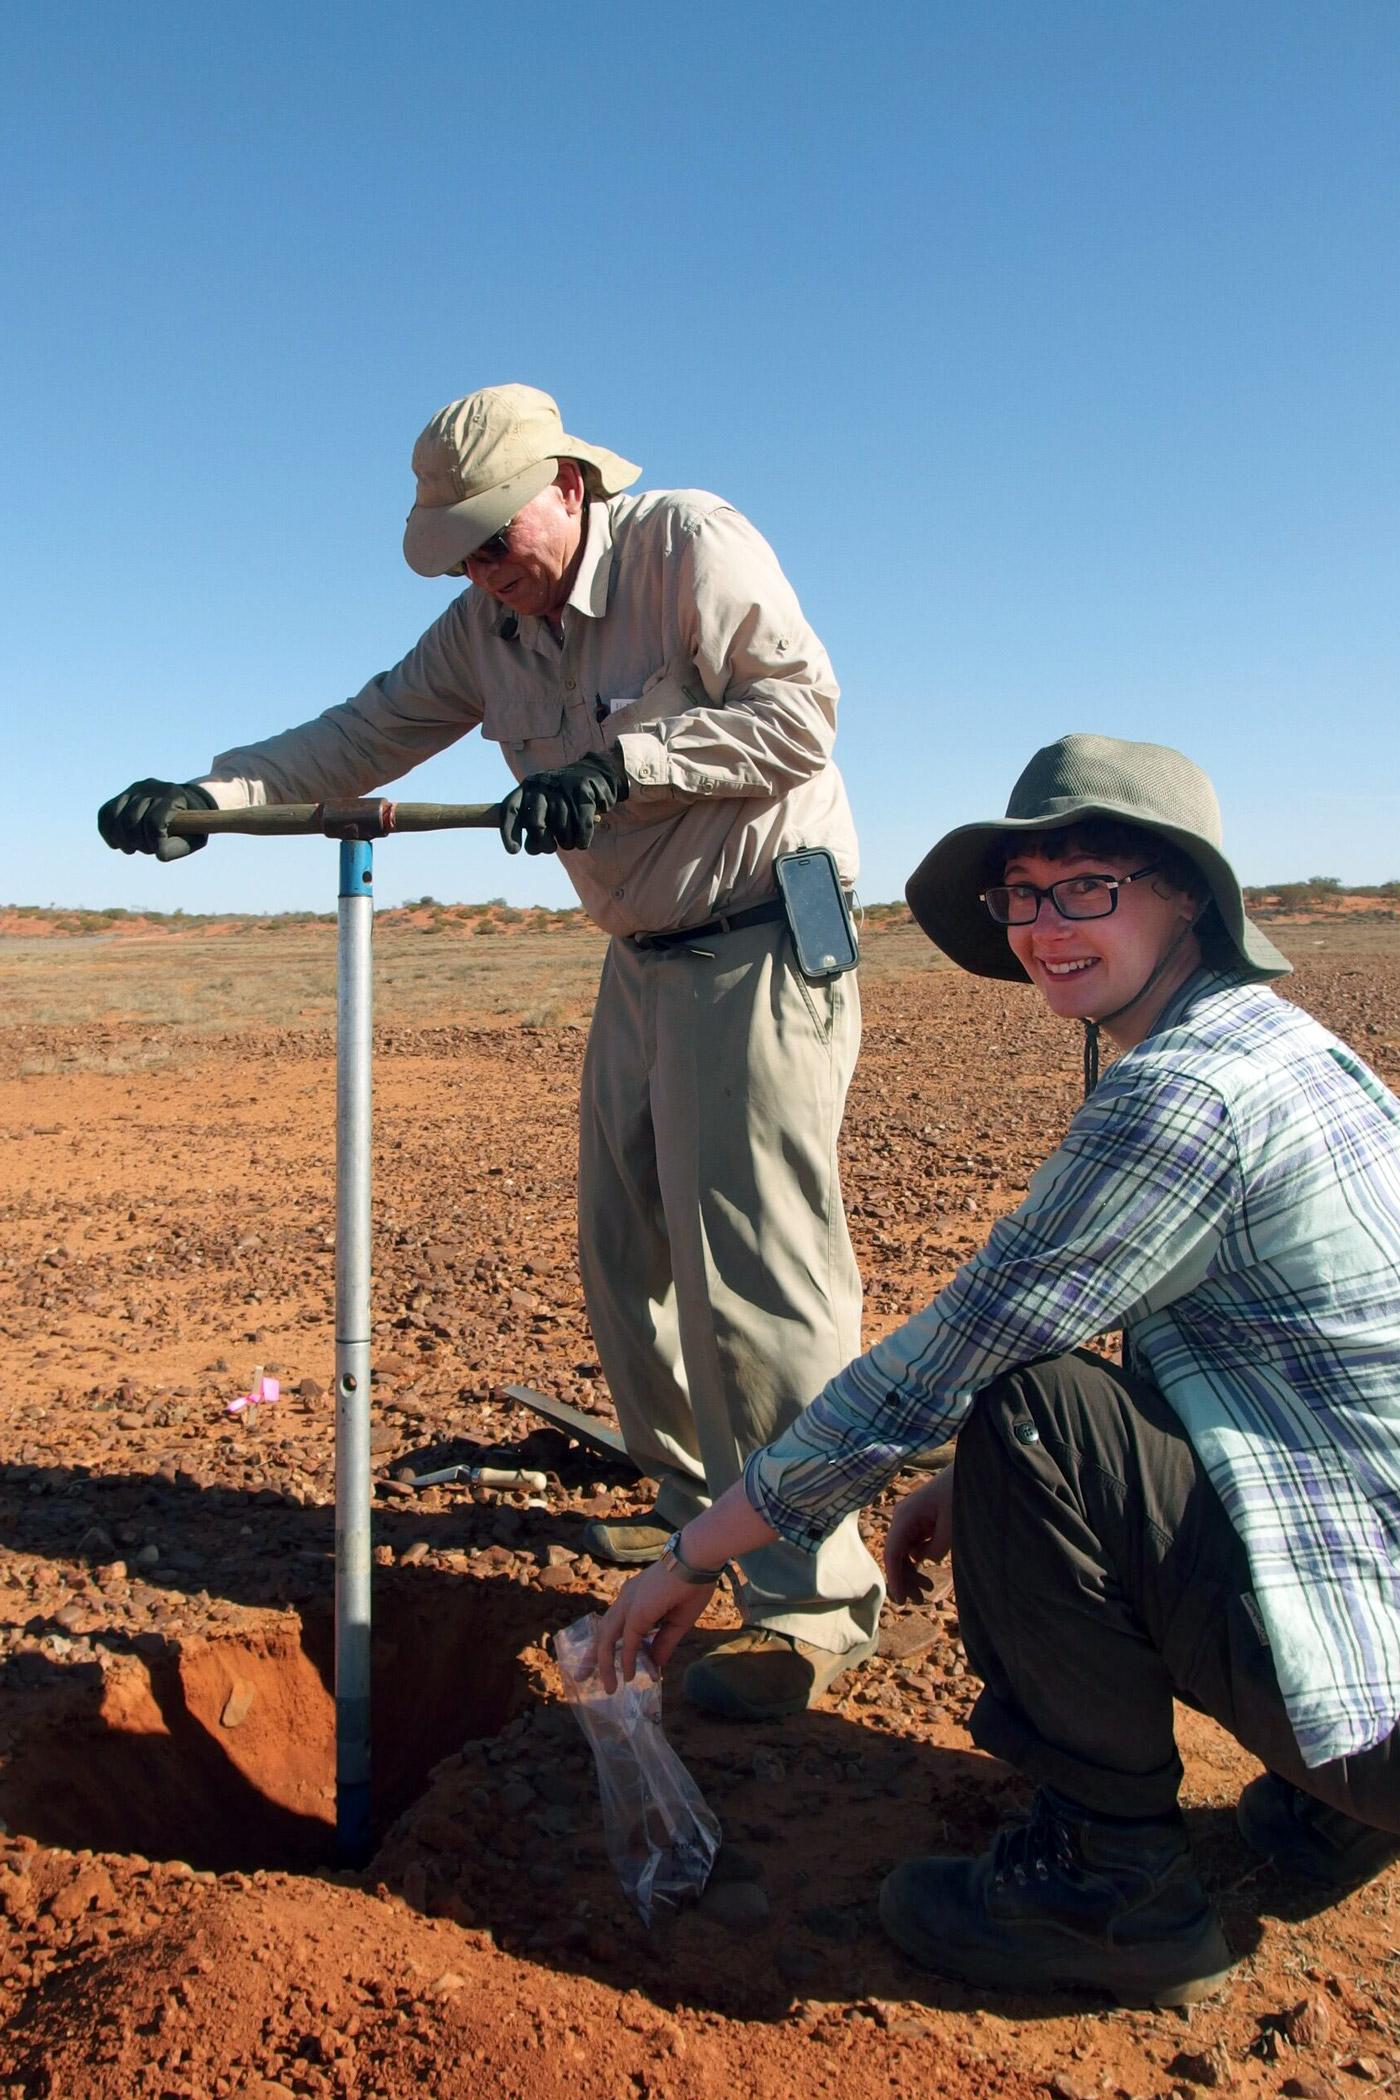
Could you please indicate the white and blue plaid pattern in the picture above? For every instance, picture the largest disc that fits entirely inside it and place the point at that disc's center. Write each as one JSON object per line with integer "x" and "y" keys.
{"x": 1230, "y": 1197}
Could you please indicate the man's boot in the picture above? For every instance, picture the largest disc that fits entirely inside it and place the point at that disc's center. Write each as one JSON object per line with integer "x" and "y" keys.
{"x": 1065, "y": 1900}
{"x": 1302, "y": 1835}
{"x": 627, "y": 1542}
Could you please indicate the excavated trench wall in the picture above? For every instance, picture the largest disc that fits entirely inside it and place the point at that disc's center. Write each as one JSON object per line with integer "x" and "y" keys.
{"x": 220, "y": 1750}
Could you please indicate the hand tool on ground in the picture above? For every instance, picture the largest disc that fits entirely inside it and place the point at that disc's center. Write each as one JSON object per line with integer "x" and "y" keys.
{"x": 479, "y": 1476}
{"x": 586, "y": 1429}
{"x": 354, "y": 824}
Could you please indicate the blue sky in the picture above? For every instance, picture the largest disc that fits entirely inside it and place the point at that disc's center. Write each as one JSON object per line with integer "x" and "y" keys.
{"x": 1051, "y": 342}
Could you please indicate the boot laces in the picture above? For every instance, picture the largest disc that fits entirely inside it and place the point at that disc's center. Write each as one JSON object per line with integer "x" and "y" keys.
{"x": 1031, "y": 1850}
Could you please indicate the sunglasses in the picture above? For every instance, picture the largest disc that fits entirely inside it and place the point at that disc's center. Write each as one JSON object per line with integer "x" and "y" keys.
{"x": 494, "y": 549}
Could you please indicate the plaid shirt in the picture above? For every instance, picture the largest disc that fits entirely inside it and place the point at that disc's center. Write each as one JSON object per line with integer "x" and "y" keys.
{"x": 1230, "y": 1197}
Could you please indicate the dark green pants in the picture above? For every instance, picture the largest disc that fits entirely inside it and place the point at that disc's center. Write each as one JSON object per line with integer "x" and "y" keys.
{"x": 1098, "y": 1576}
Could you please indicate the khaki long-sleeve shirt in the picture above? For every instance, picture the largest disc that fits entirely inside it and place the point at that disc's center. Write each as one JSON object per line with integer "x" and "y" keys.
{"x": 683, "y": 648}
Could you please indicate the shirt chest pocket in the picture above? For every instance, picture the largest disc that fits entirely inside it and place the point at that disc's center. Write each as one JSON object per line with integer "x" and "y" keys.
{"x": 529, "y": 729}
{"x": 666, "y": 694}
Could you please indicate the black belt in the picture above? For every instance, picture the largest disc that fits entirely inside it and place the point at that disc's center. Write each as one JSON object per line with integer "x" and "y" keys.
{"x": 682, "y": 936}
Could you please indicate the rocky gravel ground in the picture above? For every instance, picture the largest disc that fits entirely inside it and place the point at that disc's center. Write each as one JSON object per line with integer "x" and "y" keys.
{"x": 172, "y": 1922}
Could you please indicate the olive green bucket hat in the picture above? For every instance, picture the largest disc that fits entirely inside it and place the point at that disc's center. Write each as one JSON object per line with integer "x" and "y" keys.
{"x": 1070, "y": 782}
{"x": 482, "y": 459}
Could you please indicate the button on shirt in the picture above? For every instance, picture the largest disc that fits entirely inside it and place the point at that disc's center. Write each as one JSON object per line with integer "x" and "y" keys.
{"x": 683, "y": 647}
{"x": 1230, "y": 1196}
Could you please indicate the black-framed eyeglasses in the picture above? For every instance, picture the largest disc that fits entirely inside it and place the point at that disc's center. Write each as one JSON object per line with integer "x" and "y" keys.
{"x": 1073, "y": 896}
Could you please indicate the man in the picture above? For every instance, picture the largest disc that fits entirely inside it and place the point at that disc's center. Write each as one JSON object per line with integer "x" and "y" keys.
{"x": 1221, "y": 1518}
{"x": 646, "y": 670}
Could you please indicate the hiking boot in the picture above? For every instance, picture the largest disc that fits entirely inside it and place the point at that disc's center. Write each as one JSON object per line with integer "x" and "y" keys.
{"x": 1302, "y": 1835}
{"x": 758, "y": 1675}
{"x": 1065, "y": 1900}
{"x": 628, "y": 1542}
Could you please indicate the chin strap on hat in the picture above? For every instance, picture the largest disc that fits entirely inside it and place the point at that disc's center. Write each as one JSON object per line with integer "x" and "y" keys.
{"x": 1091, "y": 1057}
{"x": 1092, "y": 1027}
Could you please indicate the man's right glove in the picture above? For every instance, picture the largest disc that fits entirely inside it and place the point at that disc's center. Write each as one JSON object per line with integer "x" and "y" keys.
{"x": 135, "y": 820}
{"x": 552, "y": 810}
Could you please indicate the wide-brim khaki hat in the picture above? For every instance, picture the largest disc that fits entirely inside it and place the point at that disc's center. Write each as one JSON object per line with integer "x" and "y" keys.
{"x": 482, "y": 459}
{"x": 1081, "y": 777}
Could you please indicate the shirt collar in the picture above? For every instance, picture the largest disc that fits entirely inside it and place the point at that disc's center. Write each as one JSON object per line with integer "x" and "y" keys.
{"x": 589, "y": 595}
{"x": 1199, "y": 985}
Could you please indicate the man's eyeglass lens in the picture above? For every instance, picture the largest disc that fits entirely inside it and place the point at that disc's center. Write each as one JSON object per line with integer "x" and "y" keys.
{"x": 494, "y": 549}
{"x": 1074, "y": 897}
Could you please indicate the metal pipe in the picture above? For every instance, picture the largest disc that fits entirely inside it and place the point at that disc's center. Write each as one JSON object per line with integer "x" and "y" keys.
{"x": 354, "y": 824}
{"x": 354, "y": 1051}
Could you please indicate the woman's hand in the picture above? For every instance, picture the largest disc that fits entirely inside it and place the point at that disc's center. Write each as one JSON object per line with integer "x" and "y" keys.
{"x": 921, "y": 1529}
{"x": 656, "y": 1603}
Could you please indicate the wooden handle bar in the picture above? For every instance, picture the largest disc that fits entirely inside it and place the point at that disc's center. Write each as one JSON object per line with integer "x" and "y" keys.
{"x": 364, "y": 819}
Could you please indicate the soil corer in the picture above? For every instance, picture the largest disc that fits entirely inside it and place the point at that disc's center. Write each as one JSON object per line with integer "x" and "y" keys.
{"x": 355, "y": 824}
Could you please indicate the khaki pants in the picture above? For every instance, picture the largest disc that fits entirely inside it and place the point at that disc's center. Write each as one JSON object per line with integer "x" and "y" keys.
{"x": 717, "y": 1267}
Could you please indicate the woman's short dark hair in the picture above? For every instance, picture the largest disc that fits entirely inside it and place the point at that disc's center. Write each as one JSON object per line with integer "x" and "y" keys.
{"x": 1105, "y": 835}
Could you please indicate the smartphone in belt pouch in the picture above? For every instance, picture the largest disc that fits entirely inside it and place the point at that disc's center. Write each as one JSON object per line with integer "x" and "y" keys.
{"x": 818, "y": 916}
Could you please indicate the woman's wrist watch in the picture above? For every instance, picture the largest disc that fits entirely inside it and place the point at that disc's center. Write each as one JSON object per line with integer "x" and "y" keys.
{"x": 675, "y": 1562}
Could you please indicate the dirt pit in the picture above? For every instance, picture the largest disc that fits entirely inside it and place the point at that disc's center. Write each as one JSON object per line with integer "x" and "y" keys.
{"x": 221, "y": 1751}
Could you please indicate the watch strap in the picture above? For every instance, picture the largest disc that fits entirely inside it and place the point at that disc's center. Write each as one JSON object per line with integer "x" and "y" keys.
{"x": 673, "y": 1558}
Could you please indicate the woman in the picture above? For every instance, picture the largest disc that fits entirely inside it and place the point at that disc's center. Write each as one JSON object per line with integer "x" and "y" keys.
{"x": 1220, "y": 1519}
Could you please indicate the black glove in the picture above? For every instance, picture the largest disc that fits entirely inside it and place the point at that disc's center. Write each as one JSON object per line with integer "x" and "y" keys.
{"x": 135, "y": 821}
{"x": 552, "y": 810}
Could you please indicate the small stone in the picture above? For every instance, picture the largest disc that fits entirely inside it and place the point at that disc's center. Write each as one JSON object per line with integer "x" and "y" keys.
{"x": 902, "y": 1638}
{"x": 149, "y": 1555}
{"x": 736, "y": 1905}
{"x": 413, "y": 1556}
{"x": 1295, "y": 2087}
{"x": 1208, "y": 2067}
{"x": 443, "y": 1986}
{"x": 238, "y": 1704}
{"x": 1363, "y": 2067}
{"x": 1308, "y": 2023}
{"x": 90, "y": 1890}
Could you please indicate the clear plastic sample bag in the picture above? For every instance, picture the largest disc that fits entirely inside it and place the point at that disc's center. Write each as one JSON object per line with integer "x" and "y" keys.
{"x": 661, "y": 1836}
